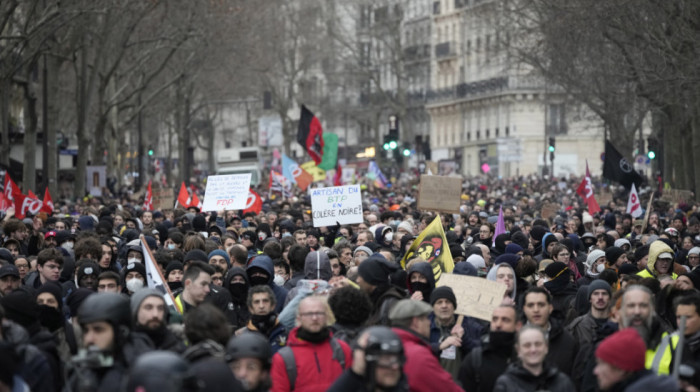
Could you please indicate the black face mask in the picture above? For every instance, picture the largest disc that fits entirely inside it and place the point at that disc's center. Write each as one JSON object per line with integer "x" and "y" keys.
{"x": 501, "y": 339}
{"x": 51, "y": 318}
{"x": 175, "y": 285}
{"x": 264, "y": 323}
{"x": 258, "y": 280}
{"x": 239, "y": 291}
{"x": 423, "y": 288}
{"x": 314, "y": 337}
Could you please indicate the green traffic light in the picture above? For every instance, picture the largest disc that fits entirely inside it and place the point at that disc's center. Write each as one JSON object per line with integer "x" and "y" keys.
{"x": 386, "y": 146}
{"x": 150, "y": 152}
{"x": 406, "y": 152}
{"x": 651, "y": 154}
{"x": 551, "y": 148}
{"x": 393, "y": 145}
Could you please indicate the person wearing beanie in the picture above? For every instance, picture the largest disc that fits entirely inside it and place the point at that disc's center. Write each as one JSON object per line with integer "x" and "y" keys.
{"x": 562, "y": 289}
{"x": 195, "y": 255}
{"x": 457, "y": 253}
{"x": 615, "y": 257}
{"x": 594, "y": 265}
{"x": 173, "y": 275}
{"x": 537, "y": 233}
{"x": 133, "y": 278}
{"x": 584, "y": 328}
{"x": 514, "y": 249}
{"x": 9, "y": 279}
{"x": 149, "y": 314}
{"x": 87, "y": 275}
{"x": 478, "y": 263}
{"x": 373, "y": 279}
{"x": 452, "y": 348}
{"x": 548, "y": 242}
{"x": 694, "y": 257}
{"x": 464, "y": 268}
{"x": 220, "y": 258}
{"x": 620, "y": 365}
{"x": 521, "y": 239}
{"x": 49, "y": 302}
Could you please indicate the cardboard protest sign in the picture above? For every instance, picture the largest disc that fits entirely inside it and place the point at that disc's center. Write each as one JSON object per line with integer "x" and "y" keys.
{"x": 163, "y": 198}
{"x": 342, "y": 204}
{"x": 476, "y": 297}
{"x": 677, "y": 195}
{"x": 439, "y": 193}
{"x": 226, "y": 192}
{"x": 549, "y": 210}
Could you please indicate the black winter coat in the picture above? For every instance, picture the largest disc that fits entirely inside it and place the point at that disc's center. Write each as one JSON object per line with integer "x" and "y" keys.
{"x": 518, "y": 379}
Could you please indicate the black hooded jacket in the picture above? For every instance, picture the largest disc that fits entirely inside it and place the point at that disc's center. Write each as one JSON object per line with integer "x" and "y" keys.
{"x": 240, "y": 314}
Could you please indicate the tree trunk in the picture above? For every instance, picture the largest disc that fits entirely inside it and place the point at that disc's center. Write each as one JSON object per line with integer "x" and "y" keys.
{"x": 695, "y": 132}
{"x": 53, "y": 112}
{"x": 31, "y": 121}
{"x": 5, "y": 148}
{"x": 181, "y": 129}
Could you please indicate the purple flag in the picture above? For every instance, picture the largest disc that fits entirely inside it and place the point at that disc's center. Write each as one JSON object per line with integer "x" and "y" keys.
{"x": 500, "y": 226}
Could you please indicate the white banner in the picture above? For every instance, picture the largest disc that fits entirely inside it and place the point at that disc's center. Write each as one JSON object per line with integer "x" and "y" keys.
{"x": 154, "y": 278}
{"x": 226, "y": 192}
{"x": 339, "y": 204}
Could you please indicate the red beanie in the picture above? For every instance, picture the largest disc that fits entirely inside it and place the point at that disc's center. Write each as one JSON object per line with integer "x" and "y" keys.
{"x": 624, "y": 349}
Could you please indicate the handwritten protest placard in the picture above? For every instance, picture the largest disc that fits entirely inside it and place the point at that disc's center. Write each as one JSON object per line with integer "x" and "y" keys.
{"x": 163, "y": 198}
{"x": 476, "y": 297}
{"x": 342, "y": 204}
{"x": 439, "y": 193}
{"x": 677, "y": 195}
{"x": 227, "y": 192}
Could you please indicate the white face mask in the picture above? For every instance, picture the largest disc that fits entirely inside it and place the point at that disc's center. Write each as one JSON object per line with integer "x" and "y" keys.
{"x": 279, "y": 280}
{"x": 67, "y": 245}
{"x": 134, "y": 284}
{"x": 389, "y": 236}
{"x": 600, "y": 268}
{"x": 286, "y": 234}
{"x": 171, "y": 246}
{"x": 133, "y": 260}
{"x": 262, "y": 236}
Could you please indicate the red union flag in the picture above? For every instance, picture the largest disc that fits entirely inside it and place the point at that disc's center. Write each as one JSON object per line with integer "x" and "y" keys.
{"x": 26, "y": 205}
{"x": 48, "y": 203}
{"x": 254, "y": 203}
{"x": 10, "y": 188}
{"x": 634, "y": 206}
{"x": 148, "y": 200}
{"x": 585, "y": 190}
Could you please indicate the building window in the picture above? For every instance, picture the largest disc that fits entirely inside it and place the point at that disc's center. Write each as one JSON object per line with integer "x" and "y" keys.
{"x": 488, "y": 133}
{"x": 469, "y": 136}
{"x": 507, "y": 132}
{"x": 496, "y": 132}
{"x": 478, "y": 135}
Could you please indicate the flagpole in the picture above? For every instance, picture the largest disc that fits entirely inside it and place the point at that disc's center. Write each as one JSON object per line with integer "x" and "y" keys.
{"x": 160, "y": 273}
{"x": 646, "y": 216}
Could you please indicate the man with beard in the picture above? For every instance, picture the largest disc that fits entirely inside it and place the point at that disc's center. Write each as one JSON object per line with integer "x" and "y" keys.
{"x": 583, "y": 328}
{"x": 485, "y": 364}
{"x": 236, "y": 282}
{"x": 660, "y": 261}
{"x": 263, "y": 319}
{"x": 377, "y": 364}
{"x": 9, "y": 279}
{"x": 318, "y": 358}
{"x": 637, "y": 311}
{"x": 149, "y": 312}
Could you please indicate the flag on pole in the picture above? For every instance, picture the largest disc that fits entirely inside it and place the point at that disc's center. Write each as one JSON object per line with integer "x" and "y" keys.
{"x": 278, "y": 183}
{"x": 338, "y": 176}
{"x": 183, "y": 198}
{"x": 254, "y": 203}
{"x": 376, "y": 175}
{"x": 32, "y": 195}
{"x": 330, "y": 151}
{"x": 154, "y": 277}
{"x": 431, "y": 245}
{"x": 616, "y": 168}
{"x": 194, "y": 200}
{"x": 634, "y": 206}
{"x": 10, "y": 188}
{"x": 500, "y": 226}
{"x": 585, "y": 190}
{"x": 310, "y": 134}
{"x": 47, "y": 203}
{"x": 294, "y": 173}
{"x": 148, "y": 200}
{"x": 26, "y": 205}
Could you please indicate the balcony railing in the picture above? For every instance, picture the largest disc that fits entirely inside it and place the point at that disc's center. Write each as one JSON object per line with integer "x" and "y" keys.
{"x": 446, "y": 49}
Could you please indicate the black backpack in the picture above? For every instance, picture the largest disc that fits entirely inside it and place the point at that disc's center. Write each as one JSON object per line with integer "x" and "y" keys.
{"x": 291, "y": 365}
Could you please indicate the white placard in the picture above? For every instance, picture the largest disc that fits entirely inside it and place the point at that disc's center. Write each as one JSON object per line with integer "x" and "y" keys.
{"x": 226, "y": 192}
{"x": 341, "y": 204}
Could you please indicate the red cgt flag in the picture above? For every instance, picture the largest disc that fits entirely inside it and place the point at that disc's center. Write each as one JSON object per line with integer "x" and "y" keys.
{"x": 148, "y": 200}
{"x": 10, "y": 188}
{"x": 585, "y": 190}
{"x": 254, "y": 203}
{"x": 183, "y": 198}
{"x": 26, "y": 205}
{"x": 48, "y": 203}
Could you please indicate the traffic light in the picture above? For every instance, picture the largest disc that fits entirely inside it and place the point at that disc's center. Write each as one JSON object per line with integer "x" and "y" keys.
{"x": 390, "y": 143}
{"x": 652, "y": 147}
{"x": 406, "y": 151}
{"x": 150, "y": 151}
{"x": 551, "y": 148}
{"x": 386, "y": 143}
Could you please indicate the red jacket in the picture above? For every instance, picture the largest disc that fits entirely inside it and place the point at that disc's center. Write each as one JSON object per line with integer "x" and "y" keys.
{"x": 316, "y": 368}
{"x": 422, "y": 367}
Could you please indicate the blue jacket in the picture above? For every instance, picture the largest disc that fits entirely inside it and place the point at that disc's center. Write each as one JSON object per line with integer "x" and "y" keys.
{"x": 472, "y": 334}
{"x": 265, "y": 263}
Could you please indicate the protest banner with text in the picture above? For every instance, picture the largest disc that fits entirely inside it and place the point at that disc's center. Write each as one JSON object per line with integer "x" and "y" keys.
{"x": 476, "y": 297}
{"x": 226, "y": 192}
{"x": 439, "y": 193}
{"x": 339, "y": 204}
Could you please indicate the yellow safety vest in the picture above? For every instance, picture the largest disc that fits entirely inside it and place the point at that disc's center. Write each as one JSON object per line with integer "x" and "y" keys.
{"x": 645, "y": 273}
{"x": 659, "y": 360}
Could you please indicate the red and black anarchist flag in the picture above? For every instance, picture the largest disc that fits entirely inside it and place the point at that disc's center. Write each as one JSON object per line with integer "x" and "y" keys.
{"x": 310, "y": 134}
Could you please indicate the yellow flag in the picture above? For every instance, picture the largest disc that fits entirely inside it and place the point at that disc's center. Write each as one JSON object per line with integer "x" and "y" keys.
{"x": 431, "y": 245}
{"x": 316, "y": 172}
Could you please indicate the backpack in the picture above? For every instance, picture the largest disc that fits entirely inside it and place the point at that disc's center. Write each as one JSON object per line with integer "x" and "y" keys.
{"x": 291, "y": 366}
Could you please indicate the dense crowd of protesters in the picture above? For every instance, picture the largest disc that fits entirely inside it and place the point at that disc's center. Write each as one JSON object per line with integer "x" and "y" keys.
{"x": 265, "y": 301}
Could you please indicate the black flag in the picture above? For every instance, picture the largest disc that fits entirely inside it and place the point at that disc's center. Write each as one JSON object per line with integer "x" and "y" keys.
{"x": 617, "y": 168}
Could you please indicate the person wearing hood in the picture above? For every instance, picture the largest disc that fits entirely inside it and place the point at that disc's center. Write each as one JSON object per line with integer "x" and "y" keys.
{"x": 504, "y": 273}
{"x": 558, "y": 284}
{"x": 373, "y": 279}
{"x": 548, "y": 242}
{"x": 262, "y": 232}
{"x": 595, "y": 264}
{"x": 660, "y": 261}
{"x": 452, "y": 341}
{"x": 261, "y": 304}
{"x": 149, "y": 314}
{"x": 483, "y": 365}
{"x": 174, "y": 272}
{"x": 501, "y": 242}
{"x": 236, "y": 282}
{"x": 50, "y": 306}
{"x": 261, "y": 271}
{"x": 537, "y": 234}
{"x": 317, "y": 267}
{"x": 420, "y": 281}
{"x": 383, "y": 236}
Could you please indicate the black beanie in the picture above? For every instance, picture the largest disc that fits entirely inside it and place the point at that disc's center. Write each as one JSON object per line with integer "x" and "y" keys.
{"x": 554, "y": 269}
{"x": 76, "y": 298}
{"x": 599, "y": 284}
{"x": 172, "y": 266}
{"x": 443, "y": 292}
{"x": 88, "y": 269}
{"x": 199, "y": 223}
{"x": 197, "y": 255}
{"x": 54, "y": 289}
{"x": 375, "y": 270}
{"x": 135, "y": 267}
{"x": 537, "y": 232}
{"x": 613, "y": 253}
{"x": 20, "y": 307}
